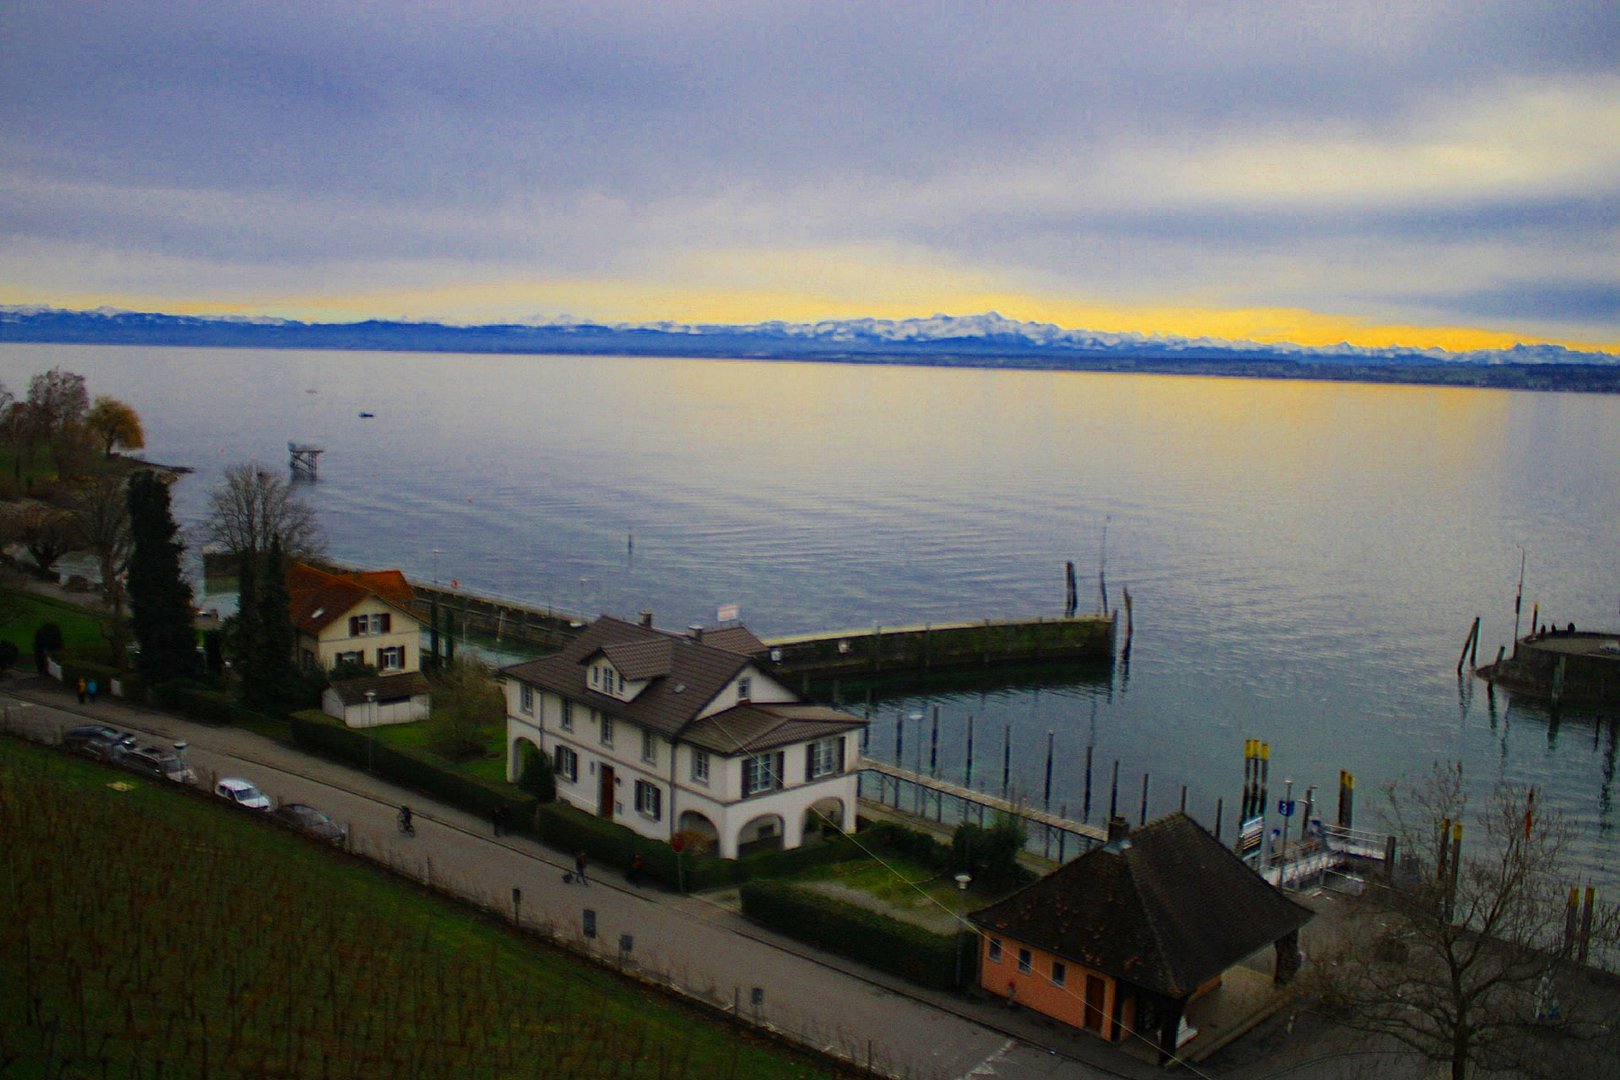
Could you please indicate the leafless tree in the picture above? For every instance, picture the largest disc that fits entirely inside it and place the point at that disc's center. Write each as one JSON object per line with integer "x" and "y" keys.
{"x": 102, "y": 509}
{"x": 48, "y": 532}
{"x": 253, "y": 506}
{"x": 1462, "y": 961}
{"x": 59, "y": 399}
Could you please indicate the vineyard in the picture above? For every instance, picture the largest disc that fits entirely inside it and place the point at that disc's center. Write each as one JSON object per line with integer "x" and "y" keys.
{"x": 147, "y": 933}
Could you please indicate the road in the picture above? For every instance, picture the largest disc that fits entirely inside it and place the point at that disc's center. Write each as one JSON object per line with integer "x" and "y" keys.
{"x": 692, "y": 943}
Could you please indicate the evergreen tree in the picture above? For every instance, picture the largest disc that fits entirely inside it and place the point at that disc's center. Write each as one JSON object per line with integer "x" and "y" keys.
{"x": 159, "y": 598}
{"x": 272, "y": 675}
{"x": 243, "y": 627}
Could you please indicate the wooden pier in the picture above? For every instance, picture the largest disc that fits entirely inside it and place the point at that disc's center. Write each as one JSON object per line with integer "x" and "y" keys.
{"x": 304, "y": 460}
{"x": 929, "y": 793}
{"x": 890, "y": 651}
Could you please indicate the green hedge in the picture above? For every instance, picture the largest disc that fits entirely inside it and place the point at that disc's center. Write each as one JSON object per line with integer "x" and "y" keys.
{"x": 416, "y": 769}
{"x": 869, "y": 937}
{"x": 611, "y": 848}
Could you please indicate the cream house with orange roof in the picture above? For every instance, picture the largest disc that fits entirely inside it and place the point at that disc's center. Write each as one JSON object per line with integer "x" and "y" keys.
{"x": 363, "y": 618}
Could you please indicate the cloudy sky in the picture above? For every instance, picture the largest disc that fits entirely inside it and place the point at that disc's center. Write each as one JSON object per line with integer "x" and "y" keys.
{"x": 1420, "y": 173}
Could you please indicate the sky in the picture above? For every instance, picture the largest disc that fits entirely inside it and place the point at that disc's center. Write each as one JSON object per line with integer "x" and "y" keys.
{"x": 1423, "y": 174}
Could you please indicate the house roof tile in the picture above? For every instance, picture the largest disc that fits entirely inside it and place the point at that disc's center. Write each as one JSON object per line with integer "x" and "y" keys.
{"x": 316, "y": 598}
{"x": 1167, "y": 910}
{"x": 685, "y": 674}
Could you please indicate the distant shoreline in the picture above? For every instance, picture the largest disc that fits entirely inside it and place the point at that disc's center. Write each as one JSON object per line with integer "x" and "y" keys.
{"x": 984, "y": 353}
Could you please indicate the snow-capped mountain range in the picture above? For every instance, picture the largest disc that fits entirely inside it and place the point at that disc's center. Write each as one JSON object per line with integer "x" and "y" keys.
{"x": 989, "y": 339}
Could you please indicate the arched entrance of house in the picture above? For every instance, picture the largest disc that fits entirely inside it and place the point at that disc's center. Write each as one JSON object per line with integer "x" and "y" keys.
{"x": 763, "y": 833}
{"x": 699, "y": 833}
{"x": 823, "y": 818}
{"x": 515, "y": 759}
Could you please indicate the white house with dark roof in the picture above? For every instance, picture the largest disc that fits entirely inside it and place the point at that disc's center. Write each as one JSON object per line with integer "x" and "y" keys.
{"x": 683, "y": 735}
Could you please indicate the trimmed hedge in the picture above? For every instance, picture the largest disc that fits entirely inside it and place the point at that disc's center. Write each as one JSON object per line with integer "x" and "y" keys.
{"x": 614, "y": 846}
{"x": 869, "y": 937}
{"x": 416, "y": 769}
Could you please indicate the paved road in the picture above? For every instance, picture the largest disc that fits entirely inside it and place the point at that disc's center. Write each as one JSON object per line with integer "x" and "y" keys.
{"x": 692, "y": 943}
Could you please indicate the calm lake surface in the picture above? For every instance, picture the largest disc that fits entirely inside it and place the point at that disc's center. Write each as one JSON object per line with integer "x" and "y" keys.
{"x": 1305, "y": 558}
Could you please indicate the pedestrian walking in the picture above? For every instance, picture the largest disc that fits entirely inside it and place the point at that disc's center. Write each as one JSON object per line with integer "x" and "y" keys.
{"x": 579, "y": 868}
{"x": 81, "y": 688}
{"x": 90, "y": 688}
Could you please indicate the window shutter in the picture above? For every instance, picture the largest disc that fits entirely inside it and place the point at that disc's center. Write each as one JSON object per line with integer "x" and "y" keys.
{"x": 781, "y": 763}
{"x": 387, "y": 621}
{"x": 841, "y": 754}
{"x": 354, "y": 626}
{"x": 809, "y": 762}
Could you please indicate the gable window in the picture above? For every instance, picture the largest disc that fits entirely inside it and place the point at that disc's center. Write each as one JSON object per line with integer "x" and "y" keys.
{"x": 391, "y": 659}
{"x": 1026, "y": 962}
{"x": 649, "y": 800}
{"x": 567, "y": 764}
{"x": 649, "y": 747}
{"x": 762, "y": 772}
{"x": 700, "y": 766}
{"x": 824, "y": 757}
{"x": 607, "y": 730}
{"x": 526, "y": 698}
{"x": 745, "y": 687}
{"x": 995, "y": 950}
{"x": 369, "y": 625}
{"x": 565, "y": 718}
{"x": 1060, "y": 973}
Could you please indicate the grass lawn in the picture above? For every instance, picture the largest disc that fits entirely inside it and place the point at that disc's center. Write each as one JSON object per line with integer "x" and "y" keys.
{"x": 22, "y": 613}
{"x": 415, "y": 736}
{"x": 145, "y": 932}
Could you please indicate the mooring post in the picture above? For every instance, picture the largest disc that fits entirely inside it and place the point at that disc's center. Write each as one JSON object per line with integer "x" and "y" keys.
{"x": 1047, "y": 803}
{"x": 1183, "y": 798}
{"x": 1113, "y": 794}
{"x": 967, "y": 778}
{"x": 1085, "y": 808}
{"x": 1063, "y": 834}
{"x": 1006, "y": 759}
{"x": 933, "y": 747}
{"x": 1142, "y": 820}
{"x": 1220, "y": 804}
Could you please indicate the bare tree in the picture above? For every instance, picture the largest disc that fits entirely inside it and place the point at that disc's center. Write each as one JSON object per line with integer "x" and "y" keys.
{"x": 112, "y": 423}
{"x": 59, "y": 399}
{"x": 101, "y": 507}
{"x": 253, "y": 507}
{"x": 48, "y": 532}
{"x": 1461, "y": 962}
{"x": 467, "y": 707}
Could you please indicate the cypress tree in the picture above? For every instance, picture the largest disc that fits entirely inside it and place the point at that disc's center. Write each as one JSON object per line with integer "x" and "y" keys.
{"x": 245, "y": 626}
{"x": 159, "y": 598}
{"x": 272, "y": 667}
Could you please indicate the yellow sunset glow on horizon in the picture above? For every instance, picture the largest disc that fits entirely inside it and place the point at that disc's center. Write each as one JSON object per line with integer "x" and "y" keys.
{"x": 612, "y": 301}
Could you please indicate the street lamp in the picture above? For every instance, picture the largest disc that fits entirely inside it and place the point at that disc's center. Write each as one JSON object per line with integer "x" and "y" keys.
{"x": 371, "y": 725}
{"x": 963, "y": 878}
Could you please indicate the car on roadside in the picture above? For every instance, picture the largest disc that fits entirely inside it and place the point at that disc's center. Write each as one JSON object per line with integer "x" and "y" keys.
{"x": 161, "y": 762}
{"x": 310, "y": 821}
{"x": 241, "y": 792}
{"x": 98, "y": 741}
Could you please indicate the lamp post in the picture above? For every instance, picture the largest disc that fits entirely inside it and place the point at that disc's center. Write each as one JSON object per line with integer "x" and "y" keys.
{"x": 371, "y": 725}
{"x": 963, "y": 878}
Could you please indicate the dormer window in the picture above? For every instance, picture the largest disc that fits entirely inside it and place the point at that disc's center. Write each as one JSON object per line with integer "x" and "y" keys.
{"x": 745, "y": 686}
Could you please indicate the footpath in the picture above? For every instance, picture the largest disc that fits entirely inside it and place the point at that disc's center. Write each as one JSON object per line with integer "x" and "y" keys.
{"x": 695, "y": 945}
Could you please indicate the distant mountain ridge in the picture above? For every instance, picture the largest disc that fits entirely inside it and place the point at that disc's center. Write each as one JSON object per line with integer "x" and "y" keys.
{"x": 985, "y": 340}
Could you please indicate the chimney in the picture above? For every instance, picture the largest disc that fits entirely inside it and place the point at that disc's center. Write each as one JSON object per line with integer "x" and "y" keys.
{"x": 696, "y": 630}
{"x": 646, "y": 617}
{"x": 1118, "y": 829}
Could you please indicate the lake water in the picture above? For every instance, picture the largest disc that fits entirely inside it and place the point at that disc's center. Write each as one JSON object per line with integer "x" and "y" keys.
{"x": 1305, "y": 558}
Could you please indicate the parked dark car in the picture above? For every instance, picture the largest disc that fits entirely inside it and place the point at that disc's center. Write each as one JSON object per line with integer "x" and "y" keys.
{"x": 160, "y": 762}
{"x": 98, "y": 741}
{"x": 306, "y": 819}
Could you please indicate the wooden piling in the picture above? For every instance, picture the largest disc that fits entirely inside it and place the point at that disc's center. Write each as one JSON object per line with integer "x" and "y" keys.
{"x": 1113, "y": 793}
{"x": 1046, "y": 803}
{"x": 1085, "y": 808}
{"x": 1142, "y": 819}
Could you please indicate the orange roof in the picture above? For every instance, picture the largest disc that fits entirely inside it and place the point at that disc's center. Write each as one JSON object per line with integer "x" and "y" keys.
{"x": 316, "y": 598}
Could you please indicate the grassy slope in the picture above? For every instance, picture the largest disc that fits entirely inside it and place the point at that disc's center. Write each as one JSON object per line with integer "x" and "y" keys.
{"x": 143, "y": 925}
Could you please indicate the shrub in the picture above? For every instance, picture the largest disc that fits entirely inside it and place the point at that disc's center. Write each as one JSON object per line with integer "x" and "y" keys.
{"x": 416, "y": 769}
{"x": 8, "y": 654}
{"x": 872, "y": 938}
{"x": 537, "y": 777}
{"x": 990, "y": 853}
{"x": 47, "y": 640}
